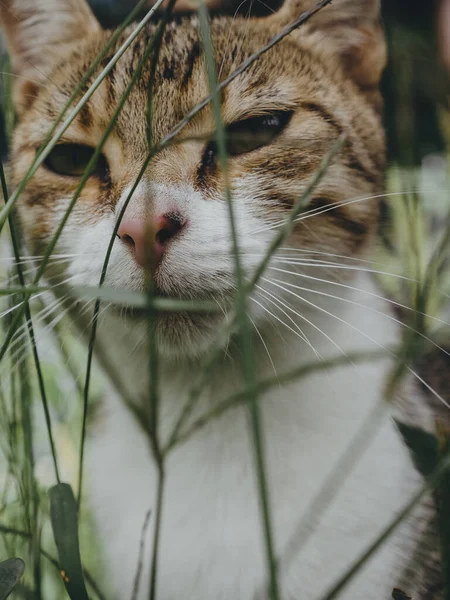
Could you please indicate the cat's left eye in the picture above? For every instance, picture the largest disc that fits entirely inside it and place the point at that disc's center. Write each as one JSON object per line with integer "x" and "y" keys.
{"x": 253, "y": 133}
{"x": 72, "y": 160}
{"x": 248, "y": 135}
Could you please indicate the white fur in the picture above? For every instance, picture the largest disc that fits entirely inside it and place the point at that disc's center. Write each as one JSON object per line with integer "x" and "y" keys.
{"x": 212, "y": 544}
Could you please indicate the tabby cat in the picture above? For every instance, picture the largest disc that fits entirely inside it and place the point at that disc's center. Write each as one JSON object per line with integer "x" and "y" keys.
{"x": 316, "y": 299}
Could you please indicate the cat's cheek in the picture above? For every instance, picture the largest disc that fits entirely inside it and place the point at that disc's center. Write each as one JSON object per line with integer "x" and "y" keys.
{"x": 37, "y": 226}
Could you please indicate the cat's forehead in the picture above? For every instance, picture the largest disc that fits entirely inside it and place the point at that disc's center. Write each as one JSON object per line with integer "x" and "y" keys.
{"x": 180, "y": 81}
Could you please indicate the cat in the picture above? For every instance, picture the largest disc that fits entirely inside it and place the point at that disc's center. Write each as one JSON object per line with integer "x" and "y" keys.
{"x": 316, "y": 300}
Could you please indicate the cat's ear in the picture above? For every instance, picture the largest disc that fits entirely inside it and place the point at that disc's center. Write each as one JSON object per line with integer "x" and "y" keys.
{"x": 350, "y": 29}
{"x": 38, "y": 33}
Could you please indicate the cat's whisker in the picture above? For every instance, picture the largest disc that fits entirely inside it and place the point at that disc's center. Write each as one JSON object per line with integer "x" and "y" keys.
{"x": 319, "y": 265}
{"x": 364, "y": 334}
{"x": 23, "y": 329}
{"x": 102, "y": 311}
{"x": 38, "y": 295}
{"x": 14, "y": 277}
{"x": 228, "y": 40}
{"x": 264, "y": 344}
{"x": 9, "y": 280}
{"x": 37, "y": 257}
{"x": 20, "y": 342}
{"x": 18, "y": 76}
{"x": 318, "y": 211}
{"x": 371, "y": 309}
{"x": 277, "y": 301}
{"x": 87, "y": 326}
{"x": 363, "y": 291}
{"x": 329, "y": 254}
{"x": 44, "y": 314}
{"x": 359, "y": 304}
{"x": 271, "y": 314}
{"x": 300, "y": 335}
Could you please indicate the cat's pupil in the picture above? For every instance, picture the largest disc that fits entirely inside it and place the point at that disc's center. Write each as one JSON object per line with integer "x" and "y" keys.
{"x": 210, "y": 156}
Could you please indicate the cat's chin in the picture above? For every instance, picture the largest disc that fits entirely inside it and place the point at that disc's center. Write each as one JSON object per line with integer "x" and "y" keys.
{"x": 180, "y": 335}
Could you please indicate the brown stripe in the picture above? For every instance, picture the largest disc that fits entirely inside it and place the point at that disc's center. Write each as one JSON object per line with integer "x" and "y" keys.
{"x": 85, "y": 116}
{"x": 356, "y": 165}
{"x": 354, "y": 162}
{"x": 192, "y": 59}
{"x": 320, "y": 110}
{"x": 339, "y": 216}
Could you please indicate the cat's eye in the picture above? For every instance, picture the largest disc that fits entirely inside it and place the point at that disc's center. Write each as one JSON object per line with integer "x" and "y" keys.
{"x": 250, "y": 134}
{"x": 72, "y": 160}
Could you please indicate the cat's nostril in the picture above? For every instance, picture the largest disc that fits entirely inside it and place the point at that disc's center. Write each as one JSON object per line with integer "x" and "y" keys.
{"x": 128, "y": 240}
{"x": 169, "y": 226}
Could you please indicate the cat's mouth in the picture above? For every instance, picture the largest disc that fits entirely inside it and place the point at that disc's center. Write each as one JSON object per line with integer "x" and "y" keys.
{"x": 190, "y": 307}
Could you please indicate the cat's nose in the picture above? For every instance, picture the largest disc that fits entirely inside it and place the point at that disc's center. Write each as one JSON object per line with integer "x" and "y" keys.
{"x": 148, "y": 239}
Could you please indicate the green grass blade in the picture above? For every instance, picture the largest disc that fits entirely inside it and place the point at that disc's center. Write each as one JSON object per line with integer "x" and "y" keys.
{"x": 153, "y": 422}
{"x": 11, "y": 572}
{"x": 27, "y": 312}
{"x": 289, "y": 222}
{"x": 245, "y": 333}
{"x": 444, "y": 512}
{"x": 150, "y": 48}
{"x": 64, "y": 518}
{"x": 423, "y": 446}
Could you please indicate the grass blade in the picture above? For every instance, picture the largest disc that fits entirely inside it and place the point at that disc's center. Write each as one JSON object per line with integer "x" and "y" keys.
{"x": 64, "y": 518}
{"x": 11, "y": 572}
{"x": 27, "y": 312}
{"x": 245, "y": 333}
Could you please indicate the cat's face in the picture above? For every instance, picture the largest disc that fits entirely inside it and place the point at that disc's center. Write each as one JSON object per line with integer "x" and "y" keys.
{"x": 283, "y": 115}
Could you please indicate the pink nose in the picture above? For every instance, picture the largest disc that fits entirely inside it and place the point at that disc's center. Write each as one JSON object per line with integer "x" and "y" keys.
{"x": 137, "y": 234}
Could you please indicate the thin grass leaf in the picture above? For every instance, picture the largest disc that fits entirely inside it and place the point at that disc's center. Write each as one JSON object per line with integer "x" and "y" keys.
{"x": 136, "y": 75}
{"x": 119, "y": 297}
{"x": 140, "y": 565}
{"x": 398, "y": 594}
{"x": 289, "y": 223}
{"x": 444, "y": 511}
{"x": 11, "y": 572}
{"x": 64, "y": 518}
{"x": 245, "y": 331}
{"x": 27, "y": 312}
{"x": 153, "y": 423}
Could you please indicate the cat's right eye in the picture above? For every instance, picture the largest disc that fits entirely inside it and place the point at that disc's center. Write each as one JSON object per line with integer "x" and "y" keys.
{"x": 72, "y": 160}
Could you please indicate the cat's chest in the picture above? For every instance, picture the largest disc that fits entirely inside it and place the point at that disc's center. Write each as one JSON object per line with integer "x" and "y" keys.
{"x": 212, "y": 541}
